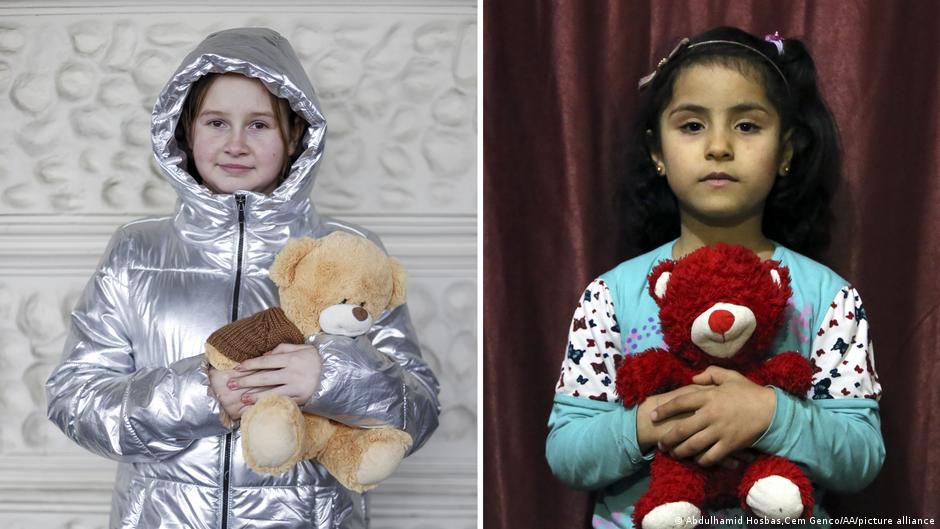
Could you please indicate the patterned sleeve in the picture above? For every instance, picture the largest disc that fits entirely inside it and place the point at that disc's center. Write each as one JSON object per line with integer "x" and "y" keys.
{"x": 594, "y": 348}
{"x": 843, "y": 361}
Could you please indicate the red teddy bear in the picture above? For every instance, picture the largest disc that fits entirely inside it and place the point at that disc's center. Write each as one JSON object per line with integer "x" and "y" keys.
{"x": 723, "y": 306}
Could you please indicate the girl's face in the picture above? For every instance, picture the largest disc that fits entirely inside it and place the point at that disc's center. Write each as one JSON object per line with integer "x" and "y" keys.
{"x": 721, "y": 145}
{"x": 237, "y": 143}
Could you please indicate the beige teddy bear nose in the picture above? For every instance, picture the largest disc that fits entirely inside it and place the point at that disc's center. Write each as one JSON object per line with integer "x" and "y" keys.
{"x": 360, "y": 313}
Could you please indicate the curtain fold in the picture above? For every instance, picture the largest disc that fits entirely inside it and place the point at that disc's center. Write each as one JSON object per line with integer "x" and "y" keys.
{"x": 559, "y": 93}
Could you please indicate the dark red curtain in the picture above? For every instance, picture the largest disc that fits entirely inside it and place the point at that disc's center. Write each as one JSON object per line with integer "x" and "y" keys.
{"x": 559, "y": 89}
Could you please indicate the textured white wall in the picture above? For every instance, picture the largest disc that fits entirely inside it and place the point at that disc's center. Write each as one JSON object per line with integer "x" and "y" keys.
{"x": 397, "y": 81}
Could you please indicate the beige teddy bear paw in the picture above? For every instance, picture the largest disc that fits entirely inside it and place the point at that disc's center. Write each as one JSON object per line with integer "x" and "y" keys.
{"x": 272, "y": 431}
{"x": 379, "y": 461}
{"x": 382, "y": 456}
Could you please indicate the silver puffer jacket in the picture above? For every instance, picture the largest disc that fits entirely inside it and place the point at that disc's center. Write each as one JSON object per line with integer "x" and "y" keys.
{"x": 131, "y": 386}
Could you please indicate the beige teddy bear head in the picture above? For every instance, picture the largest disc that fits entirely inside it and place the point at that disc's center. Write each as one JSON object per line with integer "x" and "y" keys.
{"x": 339, "y": 283}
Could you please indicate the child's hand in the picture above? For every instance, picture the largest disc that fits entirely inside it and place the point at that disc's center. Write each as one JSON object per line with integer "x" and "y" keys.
{"x": 229, "y": 399}
{"x": 649, "y": 433}
{"x": 728, "y": 416}
{"x": 290, "y": 370}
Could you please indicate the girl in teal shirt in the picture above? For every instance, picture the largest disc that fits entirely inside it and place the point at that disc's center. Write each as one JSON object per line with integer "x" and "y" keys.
{"x": 734, "y": 144}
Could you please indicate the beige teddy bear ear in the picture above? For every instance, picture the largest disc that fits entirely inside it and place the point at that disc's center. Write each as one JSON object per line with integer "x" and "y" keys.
{"x": 399, "y": 283}
{"x": 282, "y": 271}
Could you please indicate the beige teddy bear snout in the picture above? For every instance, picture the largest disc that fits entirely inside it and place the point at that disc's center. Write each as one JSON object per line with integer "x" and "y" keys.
{"x": 345, "y": 320}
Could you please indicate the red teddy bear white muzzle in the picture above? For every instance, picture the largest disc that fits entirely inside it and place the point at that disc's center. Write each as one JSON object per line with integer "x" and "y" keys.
{"x": 723, "y": 329}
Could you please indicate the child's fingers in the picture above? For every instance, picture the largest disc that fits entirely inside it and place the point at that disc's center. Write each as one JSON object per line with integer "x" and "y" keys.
{"x": 258, "y": 379}
{"x": 669, "y": 395}
{"x": 275, "y": 361}
{"x": 716, "y": 453}
{"x": 251, "y": 396}
{"x": 287, "y": 391}
{"x": 678, "y": 434}
{"x": 232, "y": 404}
{"x": 286, "y": 348}
{"x": 714, "y": 375}
{"x": 687, "y": 439}
{"x": 689, "y": 402}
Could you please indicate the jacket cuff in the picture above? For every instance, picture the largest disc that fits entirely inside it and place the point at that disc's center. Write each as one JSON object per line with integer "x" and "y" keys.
{"x": 165, "y": 406}
{"x": 199, "y": 411}
{"x": 358, "y": 385}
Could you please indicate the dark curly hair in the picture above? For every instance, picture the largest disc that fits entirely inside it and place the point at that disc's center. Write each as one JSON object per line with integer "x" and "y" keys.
{"x": 796, "y": 212}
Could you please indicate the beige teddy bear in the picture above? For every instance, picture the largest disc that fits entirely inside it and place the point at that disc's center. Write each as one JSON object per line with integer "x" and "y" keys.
{"x": 337, "y": 284}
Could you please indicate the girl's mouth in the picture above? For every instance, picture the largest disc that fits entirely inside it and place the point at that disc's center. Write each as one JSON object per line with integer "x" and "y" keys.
{"x": 718, "y": 179}
{"x": 234, "y": 168}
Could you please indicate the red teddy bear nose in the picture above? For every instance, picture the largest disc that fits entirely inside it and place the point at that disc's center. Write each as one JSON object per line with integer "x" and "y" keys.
{"x": 360, "y": 313}
{"x": 721, "y": 321}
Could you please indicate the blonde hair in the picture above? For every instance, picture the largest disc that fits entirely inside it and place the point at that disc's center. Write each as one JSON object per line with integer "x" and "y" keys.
{"x": 289, "y": 124}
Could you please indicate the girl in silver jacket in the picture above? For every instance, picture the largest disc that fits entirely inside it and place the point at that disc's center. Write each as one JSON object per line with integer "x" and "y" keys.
{"x": 132, "y": 386}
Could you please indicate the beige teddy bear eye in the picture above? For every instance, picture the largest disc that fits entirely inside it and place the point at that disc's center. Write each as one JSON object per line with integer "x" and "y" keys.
{"x": 343, "y": 302}
{"x": 363, "y": 304}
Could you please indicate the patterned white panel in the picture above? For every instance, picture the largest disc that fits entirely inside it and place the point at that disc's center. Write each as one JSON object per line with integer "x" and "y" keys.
{"x": 397, "y": 81}
{"x": 398, "y": 90}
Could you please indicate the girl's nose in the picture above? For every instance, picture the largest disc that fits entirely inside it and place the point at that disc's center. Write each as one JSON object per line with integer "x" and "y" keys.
{"x": 719, "y": 148}
{"x": 236, "y": 143}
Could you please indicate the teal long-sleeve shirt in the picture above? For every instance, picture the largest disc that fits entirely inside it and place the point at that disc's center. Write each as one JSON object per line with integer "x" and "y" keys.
{"x": 593, "y": 444}
{"x": 834, "y": 433}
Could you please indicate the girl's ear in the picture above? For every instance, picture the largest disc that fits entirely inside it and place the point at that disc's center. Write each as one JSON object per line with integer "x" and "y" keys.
{"x": 654, "y": 152}
{"x": 787, "y": 154}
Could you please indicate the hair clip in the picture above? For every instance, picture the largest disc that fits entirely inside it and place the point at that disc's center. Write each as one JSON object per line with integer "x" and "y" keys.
{"x": 647, "y": 79}
{"x": 776, "y": 40}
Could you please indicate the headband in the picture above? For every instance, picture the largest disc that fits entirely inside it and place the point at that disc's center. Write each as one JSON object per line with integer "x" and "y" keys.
{"x": 775, "y": 39}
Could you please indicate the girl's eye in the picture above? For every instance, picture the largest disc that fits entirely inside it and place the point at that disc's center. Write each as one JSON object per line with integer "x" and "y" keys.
{"x": 259, "y": 125}
{"x": 692, "y": 126}
{"x": 215, "y": 123}
{"x": 748, "y": 127}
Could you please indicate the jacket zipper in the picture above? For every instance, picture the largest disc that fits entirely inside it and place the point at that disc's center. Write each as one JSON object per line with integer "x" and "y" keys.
{"x": 227, "y": 464}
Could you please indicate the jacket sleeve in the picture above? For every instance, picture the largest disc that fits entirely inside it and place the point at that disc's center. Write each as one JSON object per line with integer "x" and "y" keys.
{"x": 98, "y": 397}
{"x": 592, "y": 436}
{"x": 836, "y": 431}
{"x": 378, "y": 379}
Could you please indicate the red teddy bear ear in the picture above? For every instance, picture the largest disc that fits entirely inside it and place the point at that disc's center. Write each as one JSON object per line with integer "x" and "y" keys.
{"x": 659, "y": 278}
{"x": 779, "y": 273}
{"x": 781, "y": 277}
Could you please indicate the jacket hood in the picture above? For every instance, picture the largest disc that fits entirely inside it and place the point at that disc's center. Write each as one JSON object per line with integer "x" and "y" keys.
{"x": 262, "y": 54}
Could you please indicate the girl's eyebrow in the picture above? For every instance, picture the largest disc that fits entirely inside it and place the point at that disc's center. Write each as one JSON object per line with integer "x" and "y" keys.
{"x": 265, "y": 113}
{"x": 689, "y": 107}
{"x": 740, "y": 108}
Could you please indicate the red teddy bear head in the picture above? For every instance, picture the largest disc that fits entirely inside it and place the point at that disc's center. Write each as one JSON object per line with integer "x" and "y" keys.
{"x": 720, "y": 305}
